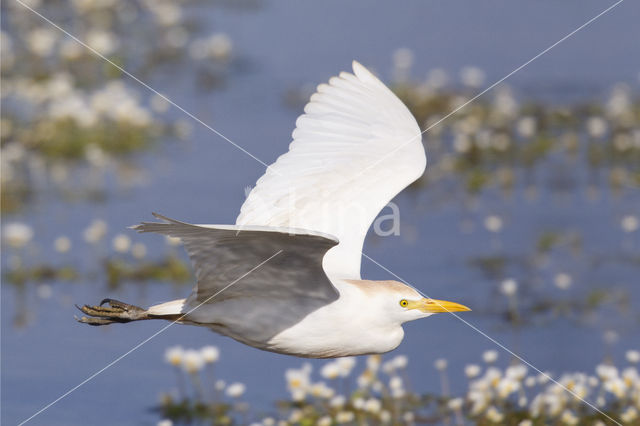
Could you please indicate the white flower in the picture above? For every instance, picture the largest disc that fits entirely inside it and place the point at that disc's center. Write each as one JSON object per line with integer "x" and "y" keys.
{"x": 408, "y": 417}
{"x": 440, "y": 364}
{"x": 235, "y": 390}
{"x": 71, "y": 49}
{"x": 167, "y": 13}
{"x": 455, "y": 404}
{"x": 472, "y": 77}
{"x": 630, "y": 223}
{"x": 606, "y": 372}
{"x": 461, "y": 143}
{"x": 44, "y": 291}
{"x": 295, "y": 416}
{"x": 569, "y": 418}
{"x": 400, "y": 361}
{"x": 526, "y": 422}
{"x": 629, "y": 415}
{"x": 210, "y": 354}
{"x": 616, "y": 386}
{"x": 385, "y": 416}
{"x": 172, "y": 241}
{"x": 526, "y": 127}
{"x": 298, "y": 382}
{"x": 516, "y": 372}
{"x": 95, "y": 231}
{"x": 41, "y": 41}
{"x": 493, "y": 223}
{"x": 330, "y": 370}
{"x": 165, "y": 422}
{"x": 633, "y": 356}
{"x": 139, "y": 250}
{"x": 217, "y": 46}
{"x": 402, "y": 58}
{"x": 437, "y": 78}
{"x": 562, "y": 281}
{"x": 104, "y": 42}
{"x": 268, "y": 421}
{"x": 192, "y": 361}
{"x": 543, "y": 377}
{"x": 530, "y": 382}
{"x": 522, "y": 401}
{"x": 358, "y": 403}
{"x": 507, "y": 386}
{"x": 219, "y": 385}
{"x": 505, "y": 103}
{"x": 472, "y": 370}
{"x": 17, "y": 234}
{"x": 490, "y": 356}
{"x": 345, "y": 417}
{"x": 373, "y": 362}
{"x": 174, "y": 355}
{"x": 337, "y": 401}
{"x": 509, "y": 287}
{"x": 494, "y": 415}
{"x": 596, "y": 127}
{"x": 395, "y": 383}
{"x": 96, "y": 155}
{"x": 121, "y": 243}
{"x": 321, "y": 390}
{"x": 373, "y": 405}
{"x": 324, "y": 421}
{"x": 345, "y": 365}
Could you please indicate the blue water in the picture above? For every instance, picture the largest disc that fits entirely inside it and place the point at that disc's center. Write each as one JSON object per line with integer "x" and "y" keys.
{"x": 286, "y": 45}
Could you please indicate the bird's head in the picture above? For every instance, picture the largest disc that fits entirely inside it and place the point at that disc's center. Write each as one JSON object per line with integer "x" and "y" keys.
{"x": 403, "y": 303}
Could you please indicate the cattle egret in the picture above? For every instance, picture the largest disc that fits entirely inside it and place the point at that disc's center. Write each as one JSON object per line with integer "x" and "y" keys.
{"x": 286, "y": 277}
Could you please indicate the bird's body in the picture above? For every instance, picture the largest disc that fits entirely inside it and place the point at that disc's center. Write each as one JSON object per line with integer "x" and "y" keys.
{"x": 286, "y": 277}
{"x": 316, "y": 336}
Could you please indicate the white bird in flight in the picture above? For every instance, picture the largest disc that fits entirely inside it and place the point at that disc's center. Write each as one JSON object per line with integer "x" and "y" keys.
{"x": 286, "y": 277}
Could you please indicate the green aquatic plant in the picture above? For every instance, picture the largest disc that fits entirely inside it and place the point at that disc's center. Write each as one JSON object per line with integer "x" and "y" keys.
{"x": 169, "y": 269}
{"x": 511, "y": 395}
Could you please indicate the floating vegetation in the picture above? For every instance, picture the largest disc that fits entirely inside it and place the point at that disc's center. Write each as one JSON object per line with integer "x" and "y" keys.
{"x": 64, "y": 106}
{"x": 40, "y": 273}
{"x": 127, "y": 262}
{"x": 511, "y": 395}
{"x": 538, "y": 289}
{"x": 497, "y": 135}
{"x": 207, "y": 399}
{"x": 170, "y": 269}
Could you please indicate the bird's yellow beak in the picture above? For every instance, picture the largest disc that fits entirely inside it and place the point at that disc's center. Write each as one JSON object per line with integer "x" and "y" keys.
{"x": 434, "y": 306}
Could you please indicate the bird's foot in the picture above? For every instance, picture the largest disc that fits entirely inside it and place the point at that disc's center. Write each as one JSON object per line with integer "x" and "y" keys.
{"x": 116, "y": 312}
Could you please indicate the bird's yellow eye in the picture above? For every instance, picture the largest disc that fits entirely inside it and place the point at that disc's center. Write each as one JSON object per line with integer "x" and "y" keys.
{"x": 404, "y": 303}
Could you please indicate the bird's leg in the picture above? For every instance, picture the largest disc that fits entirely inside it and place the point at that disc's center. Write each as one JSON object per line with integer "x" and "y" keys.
{"x": 116, "y": 312}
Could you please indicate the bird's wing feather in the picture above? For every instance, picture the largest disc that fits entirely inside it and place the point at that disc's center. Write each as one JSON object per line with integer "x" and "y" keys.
{"x": 222, "y": 254}
{"x": 355, "y": 147}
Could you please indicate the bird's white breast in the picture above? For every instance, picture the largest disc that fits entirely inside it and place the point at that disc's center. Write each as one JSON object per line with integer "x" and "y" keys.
{"x": 343, "y": 328}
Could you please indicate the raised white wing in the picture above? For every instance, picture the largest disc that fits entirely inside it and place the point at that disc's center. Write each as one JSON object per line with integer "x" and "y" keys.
{"x": 355, "y": 147}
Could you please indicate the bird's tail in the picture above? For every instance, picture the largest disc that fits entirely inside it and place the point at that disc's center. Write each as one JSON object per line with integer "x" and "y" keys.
{"x": 173, "y": 307}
